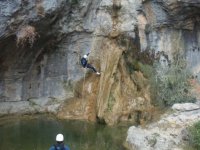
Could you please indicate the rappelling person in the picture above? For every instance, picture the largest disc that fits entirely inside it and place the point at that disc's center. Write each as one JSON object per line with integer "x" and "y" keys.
{"x": 59, "y": 143}
{"x": 85, "y": 64}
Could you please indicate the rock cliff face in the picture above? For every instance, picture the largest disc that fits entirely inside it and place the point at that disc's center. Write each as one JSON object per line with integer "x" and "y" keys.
{"x": 173, "y": 26}
{"x": 41, "y": 43}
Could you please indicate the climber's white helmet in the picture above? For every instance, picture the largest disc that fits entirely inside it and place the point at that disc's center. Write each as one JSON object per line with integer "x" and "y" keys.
{"x": 85, "y": 56}
{"x": 59, "y": 138}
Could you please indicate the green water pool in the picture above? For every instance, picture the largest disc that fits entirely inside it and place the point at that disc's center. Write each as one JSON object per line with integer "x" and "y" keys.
{"x": 39, "y": 132}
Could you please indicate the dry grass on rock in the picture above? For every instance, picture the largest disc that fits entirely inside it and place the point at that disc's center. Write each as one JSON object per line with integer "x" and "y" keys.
{"x": 26, "y": 36}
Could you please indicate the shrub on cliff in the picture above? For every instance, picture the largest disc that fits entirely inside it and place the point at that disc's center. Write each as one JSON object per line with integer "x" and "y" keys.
{"x": 170, "y": 83}
{"x": 194, "y": 135}
{"x": 26, "y": 35}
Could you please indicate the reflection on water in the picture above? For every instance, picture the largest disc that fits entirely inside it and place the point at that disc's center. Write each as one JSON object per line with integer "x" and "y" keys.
{"x": 39, "y": 133}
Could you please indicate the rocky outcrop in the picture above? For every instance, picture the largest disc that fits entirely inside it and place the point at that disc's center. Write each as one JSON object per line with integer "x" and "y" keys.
{"x": 170, "y": 132}
{"x": 185, "y": 107}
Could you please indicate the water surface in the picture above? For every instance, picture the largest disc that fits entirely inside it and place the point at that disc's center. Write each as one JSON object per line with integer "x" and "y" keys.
{"x": 38, "y": 133}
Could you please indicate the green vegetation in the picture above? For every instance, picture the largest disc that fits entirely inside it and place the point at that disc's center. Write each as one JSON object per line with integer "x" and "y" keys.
{"x": 169, "y": 81}
{"x": 194, "y": 135}
{"x": 146, "y": 69}
{"x": 170, "y": 84}
{"x": 140, "y": 61}
{"x": 136, "y": 65}
{"x": 74, "y": 2}
{"x": 111, "y": 102}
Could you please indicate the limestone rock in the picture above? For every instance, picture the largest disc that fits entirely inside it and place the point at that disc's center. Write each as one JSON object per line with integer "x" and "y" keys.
{"x": 167, "y": 133}
{"x": 33, "y": 106}
{"x": 185, "y": 107}
{"x": 149, "y": 140}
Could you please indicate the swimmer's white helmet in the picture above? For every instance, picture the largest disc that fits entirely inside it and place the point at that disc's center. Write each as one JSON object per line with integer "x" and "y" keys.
{"x": 59, "y": 138}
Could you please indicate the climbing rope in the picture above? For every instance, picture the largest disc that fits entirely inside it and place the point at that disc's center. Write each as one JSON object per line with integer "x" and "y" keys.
{"x": 82, "y": 94}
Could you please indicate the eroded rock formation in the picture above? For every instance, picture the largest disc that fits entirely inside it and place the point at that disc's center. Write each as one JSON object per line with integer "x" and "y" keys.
{"x": 115, "y": 96}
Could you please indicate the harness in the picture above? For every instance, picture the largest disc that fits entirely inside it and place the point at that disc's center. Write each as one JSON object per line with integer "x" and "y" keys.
{"x": 83, "y": 62}
{"x": 61, "y": 148}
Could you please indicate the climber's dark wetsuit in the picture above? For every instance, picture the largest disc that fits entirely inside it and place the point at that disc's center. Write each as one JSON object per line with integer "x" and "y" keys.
{"x": 85, "y": 64}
